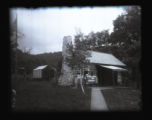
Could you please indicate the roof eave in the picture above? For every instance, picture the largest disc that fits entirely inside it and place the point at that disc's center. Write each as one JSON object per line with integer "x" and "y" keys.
{"x": 123, "y": 65}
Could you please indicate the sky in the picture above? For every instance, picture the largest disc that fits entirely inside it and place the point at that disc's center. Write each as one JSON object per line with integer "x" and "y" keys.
{"x": 44, "y": 28}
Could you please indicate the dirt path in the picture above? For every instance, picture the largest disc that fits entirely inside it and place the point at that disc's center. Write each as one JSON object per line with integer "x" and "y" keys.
{"x": 97, "y": 100}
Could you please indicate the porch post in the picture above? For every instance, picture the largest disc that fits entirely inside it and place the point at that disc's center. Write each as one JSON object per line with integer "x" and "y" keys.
{"x": 119, "y": 78}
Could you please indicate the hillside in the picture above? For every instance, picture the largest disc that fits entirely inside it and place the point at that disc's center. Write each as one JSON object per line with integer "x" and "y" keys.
{"x": 29, "y": 62}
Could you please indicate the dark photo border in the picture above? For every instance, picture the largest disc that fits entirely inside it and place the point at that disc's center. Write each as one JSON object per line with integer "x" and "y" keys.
{"x": 62, "y": 3}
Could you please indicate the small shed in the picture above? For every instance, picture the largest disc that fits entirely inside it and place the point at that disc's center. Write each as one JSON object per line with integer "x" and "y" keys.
{"x": 44, "y": 72}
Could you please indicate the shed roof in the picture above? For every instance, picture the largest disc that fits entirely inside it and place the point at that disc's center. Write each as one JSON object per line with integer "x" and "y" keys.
{"x": 40, "y": 67}
{"x": 104, "y": 58}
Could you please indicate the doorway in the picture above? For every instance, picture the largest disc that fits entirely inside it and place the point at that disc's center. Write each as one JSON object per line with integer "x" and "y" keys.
{"x": 104, "y": 75}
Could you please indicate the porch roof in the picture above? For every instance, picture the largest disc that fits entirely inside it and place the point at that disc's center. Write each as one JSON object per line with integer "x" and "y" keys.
{"x": 114, "y": 68}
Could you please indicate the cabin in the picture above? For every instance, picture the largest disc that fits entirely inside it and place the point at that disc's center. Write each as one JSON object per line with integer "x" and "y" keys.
{"x": 44, "y": 72}
{"x": 103, "y": 69}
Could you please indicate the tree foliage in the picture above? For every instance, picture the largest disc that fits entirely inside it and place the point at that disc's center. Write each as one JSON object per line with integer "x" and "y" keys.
{"x": 29, "y": 62}
{"x": 127, "y": 38}
{"x": 15, "y": 35}
{"x": 127, "y": 27}
{"x": 78, "y": 53}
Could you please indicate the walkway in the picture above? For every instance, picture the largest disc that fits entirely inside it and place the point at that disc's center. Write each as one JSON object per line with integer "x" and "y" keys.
{"x": 97, "y": 99}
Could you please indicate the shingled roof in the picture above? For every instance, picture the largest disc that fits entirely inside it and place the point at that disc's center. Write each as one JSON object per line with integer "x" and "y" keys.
{"x": 104, "y": 59}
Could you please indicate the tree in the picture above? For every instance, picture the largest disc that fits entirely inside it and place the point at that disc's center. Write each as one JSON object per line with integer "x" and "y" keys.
{"x": 93, "y": 41}
{"x": 13, "y": 44}
{"x": 127, "y": 26}
{"x": 126, "y": 39}
{"x": 78, "y": 53}
{"x": 76, "y": 58}
{"x": 15, "y": 35}
{"x": 79, "y": 50}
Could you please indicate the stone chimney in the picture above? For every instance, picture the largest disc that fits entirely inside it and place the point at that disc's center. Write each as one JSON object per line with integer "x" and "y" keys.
{"x": 66, "y": 77}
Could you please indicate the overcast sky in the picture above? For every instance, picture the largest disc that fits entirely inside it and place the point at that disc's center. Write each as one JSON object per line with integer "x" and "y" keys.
{"x": 44, "y": 28}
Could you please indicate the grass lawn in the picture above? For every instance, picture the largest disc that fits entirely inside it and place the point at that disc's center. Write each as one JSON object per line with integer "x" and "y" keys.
{"x": 44, "y": 96}
{"x": 122, "y": 99}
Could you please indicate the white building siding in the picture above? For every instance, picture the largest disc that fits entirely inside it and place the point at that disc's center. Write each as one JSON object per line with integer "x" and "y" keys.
{"x": 37, "y": 74}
